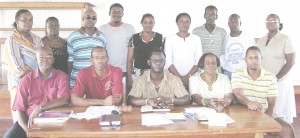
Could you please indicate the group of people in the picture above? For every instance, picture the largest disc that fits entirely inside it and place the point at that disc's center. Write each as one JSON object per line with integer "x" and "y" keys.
{"x": 89, "y": 67}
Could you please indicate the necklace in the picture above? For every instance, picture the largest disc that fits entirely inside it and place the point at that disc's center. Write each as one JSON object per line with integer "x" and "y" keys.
{"x": 210, "y": 85}
{"x": 156, "y": 87}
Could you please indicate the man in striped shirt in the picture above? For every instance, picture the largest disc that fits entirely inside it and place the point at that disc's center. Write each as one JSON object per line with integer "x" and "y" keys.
{"x": 81, "y": 42}
{"x": 212, "y": 37}
{"x": 256, "y": 88}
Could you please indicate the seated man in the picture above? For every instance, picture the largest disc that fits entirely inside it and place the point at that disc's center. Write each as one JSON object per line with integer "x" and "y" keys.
{"x": 158, "y": 87}
{"x": 256, "y": 88}
{"x": 101, "y": 83}
{"x": 38, "y": 91}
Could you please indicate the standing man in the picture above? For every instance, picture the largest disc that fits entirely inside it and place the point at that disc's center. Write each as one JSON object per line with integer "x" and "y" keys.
{"x": 236, "y": 44}
{"x": 99, "y": 84}
{"x": 40, "y": 90}
{"x": 118, "y": 35}
{"x": 158, "y": 87}
{"x": 256, "y": 88}
{"x": 212, "y": 37}
{"x": 81, "y": 43}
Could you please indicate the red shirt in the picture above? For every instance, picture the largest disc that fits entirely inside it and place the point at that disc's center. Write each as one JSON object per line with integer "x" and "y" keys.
{"x": 33, "y": 90}
{"x": 89, "y": 84}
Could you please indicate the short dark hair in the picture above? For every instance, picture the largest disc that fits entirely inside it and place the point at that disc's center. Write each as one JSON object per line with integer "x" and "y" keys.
{"x": 98, "y": 47}
{"x": 211, "y": 7}
{"x": 18, "y": 14}
{"x": 201, "y": 60}
{"x": 255, "y": 48}
{"x": 156, "y": 50}
{"x": 51, "y": 18}
{"x": 115, "y": 5}
{"x": 146, "y": 15}
{"x": 183, "y": 14}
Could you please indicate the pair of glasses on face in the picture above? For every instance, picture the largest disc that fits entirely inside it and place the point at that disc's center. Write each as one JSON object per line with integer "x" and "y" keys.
{"x": 102, "y": 58}
{"x": 45, "y": 57}
{"x": 271, "y": 21}
{"x": 158, "y": 60}
{"x": 91, "y": 18}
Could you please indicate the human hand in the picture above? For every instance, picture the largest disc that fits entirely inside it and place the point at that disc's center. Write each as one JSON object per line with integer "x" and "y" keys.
{"x": 35, "y": 113}
{"x": 224, "y": 102}
{"x": 212, "y": 103}
{"x": 158, "y": 102}
{"x": 113, "y": 99}
{"x": 253, "y": 105}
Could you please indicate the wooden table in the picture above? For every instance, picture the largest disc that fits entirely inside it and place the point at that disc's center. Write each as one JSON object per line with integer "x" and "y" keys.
{"x": 247, "y": 124}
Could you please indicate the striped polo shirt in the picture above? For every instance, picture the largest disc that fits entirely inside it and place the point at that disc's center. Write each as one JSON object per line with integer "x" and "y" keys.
{"x": 80, "y": 46}
{"x": 211, "y": 42}
{"x": 255, "y": 90}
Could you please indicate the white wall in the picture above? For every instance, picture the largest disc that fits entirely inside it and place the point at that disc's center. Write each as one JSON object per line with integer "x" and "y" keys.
{"x": 252, "y": 12}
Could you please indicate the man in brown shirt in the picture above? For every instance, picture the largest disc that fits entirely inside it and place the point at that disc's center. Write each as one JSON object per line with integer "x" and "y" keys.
{"x": 158, "y": 87}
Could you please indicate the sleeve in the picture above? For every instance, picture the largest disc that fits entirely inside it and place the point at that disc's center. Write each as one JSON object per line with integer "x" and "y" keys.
{"x": 198, "y": 52}
{"x": 80, "y": 83}
{"x": 63, "y": 86}
{"x": 194, "y": 87}
{"x": 273, "y": 91}
{"x": 13, "y": 58}
{"x": 136, "y": 90}
{"x": 20, "y": 102}
{"x": 117, "y": 87}
{"x": 236, "y": 81}
{"x": 289, "y": 48}
{"x": 70, "y": 49}
{"x": 227, "y": 85}
{"x": 169, "y": 53}
{"x": 179, "y": 89}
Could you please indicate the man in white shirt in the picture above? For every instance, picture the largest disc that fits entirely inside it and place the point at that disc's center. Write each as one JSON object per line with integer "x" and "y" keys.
{"x": 236, "y": 44}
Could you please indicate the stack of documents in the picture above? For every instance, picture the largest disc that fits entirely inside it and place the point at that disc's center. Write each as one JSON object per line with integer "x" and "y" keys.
{"x": 94, "y": 112}
{"x": 155, "y": 119}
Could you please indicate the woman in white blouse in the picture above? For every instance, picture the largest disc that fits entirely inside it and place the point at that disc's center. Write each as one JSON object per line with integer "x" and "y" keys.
{"x": 210, "y": 88}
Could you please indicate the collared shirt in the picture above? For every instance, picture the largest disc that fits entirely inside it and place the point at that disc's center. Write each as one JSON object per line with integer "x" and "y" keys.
{"x": 89, "y": 84}
{"x": 220, "y": 87}
{"x": 183, "y": 53}
{"x": 274, "y": 53}
{"x": 256, "y": 90}
{"x": 171, "y": 86}
{"x": 20, "y": 55}
{"x": 33, "y": 90}
{"x": 211, "y": 42}
{"x": 80, "y": 46}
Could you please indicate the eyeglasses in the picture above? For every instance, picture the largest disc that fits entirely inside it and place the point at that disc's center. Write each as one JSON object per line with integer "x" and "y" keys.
{"x": 157, "y": 60}
{"x": 91, "y": 18}
{"x": 102, "y": 58}
{"x": 45, "y": 57}
{"x": 271, "y": 21}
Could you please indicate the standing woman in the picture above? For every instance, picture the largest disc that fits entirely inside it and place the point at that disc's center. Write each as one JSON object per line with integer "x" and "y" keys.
{"x": 57, "y": 44}
{"x": 140, "y": 46}
{"x": 19, "y": 51}
{"x": 279, "y": 62}
{"x": 183, "y": 50}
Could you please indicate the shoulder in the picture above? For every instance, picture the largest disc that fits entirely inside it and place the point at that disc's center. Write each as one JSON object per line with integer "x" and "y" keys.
{"x": 198, "y": 28}
{"x": 60, "y": 73}
{"x": 74, "y": 34}
{"x": 171, "y": 77}
{"x": 222, "y": 30}
{"x": 86, "y": 70}
{"x": 115, "y": 70}
{"x": 223, "y": 77}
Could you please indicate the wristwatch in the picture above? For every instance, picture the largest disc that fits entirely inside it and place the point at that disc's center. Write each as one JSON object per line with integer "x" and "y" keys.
{"x": 42, "y": 107}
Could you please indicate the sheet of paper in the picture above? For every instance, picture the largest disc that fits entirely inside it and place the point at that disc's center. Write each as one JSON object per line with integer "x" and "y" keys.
{"x": 175, "y": 116}
{"x": 100, "y": 110}
{"x": 155, "y": 119}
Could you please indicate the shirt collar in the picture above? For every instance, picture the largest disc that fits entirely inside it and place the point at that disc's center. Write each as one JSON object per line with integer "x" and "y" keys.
{"x": 262, "y": 73}
{"x": 37, "y": 74}
{"x": 147, "y": 73}
{"x": 81, "y": 31}
{"x": 107, "y": 73}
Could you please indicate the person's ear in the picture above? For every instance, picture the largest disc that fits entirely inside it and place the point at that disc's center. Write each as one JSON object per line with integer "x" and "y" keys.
{"x": 149, "y": 62}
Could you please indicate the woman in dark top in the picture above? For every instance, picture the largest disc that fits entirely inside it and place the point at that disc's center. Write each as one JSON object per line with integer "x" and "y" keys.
{"x": 57, "y": 44}
{"x": 140, "y": 46}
